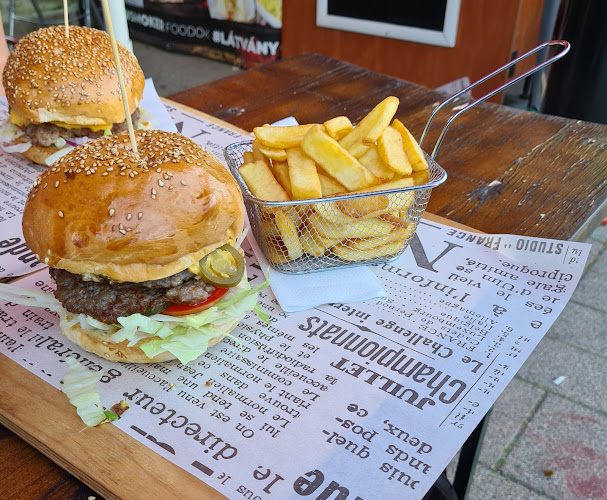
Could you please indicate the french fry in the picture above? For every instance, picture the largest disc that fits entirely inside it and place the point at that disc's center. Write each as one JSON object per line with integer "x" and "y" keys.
{"x": 362, "y": 228}
{"x": 356, "y": 252}
{"x": 261, "y": 182}
{"x": 305, "y": 183}
{"x": 371, "y": 248}
{"x": 338, "y": 127}
{"x": 314, "y": 161}
{"x": 390, "y": 149}
{"x": 335, "y": 160}
{"x": 281, "y": 172}
{"x": 420, "y": 177}
{"x": 329, "y": 210}
{"x": 248, "y": 157}
{"x": 258, "y": 155}
{"x": 281, "y": 137}
{"x": 374, "y": 163}
{"x": 364, "y": 135}
{"x": 313, "y": 243}
{"x": 276, "y": 154}
{"x": 399, "y": 219}
{"x": 288, "y": 233}
{"x": 399, "y": 183}
{"x": 268, "y": 226}
{"x": 329, "y": 186}
{"x": 276, "y": 251}
{"x": 372, "y": 206}
{"x": 414, "y": 153}
{"x": 298, "y": 213}
{"x": 364, "y": 207}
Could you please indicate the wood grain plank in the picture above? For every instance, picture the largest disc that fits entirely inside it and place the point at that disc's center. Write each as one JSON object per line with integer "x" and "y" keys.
{"x": 25, "y": 473}
{"x": 105, "y": 458}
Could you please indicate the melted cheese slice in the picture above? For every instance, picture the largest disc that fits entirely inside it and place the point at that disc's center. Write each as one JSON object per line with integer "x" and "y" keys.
{"x": 195, "y": 269}
{"x": 17, "y": 120}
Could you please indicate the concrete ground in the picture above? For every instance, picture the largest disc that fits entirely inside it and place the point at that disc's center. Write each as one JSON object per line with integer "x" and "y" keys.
{"x": 173, "y": 72}
{"x": 545, "y": 440}
{"x": 548, "y": 440}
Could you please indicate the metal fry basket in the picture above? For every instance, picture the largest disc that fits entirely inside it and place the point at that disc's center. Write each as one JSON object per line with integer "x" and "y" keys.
{"x": 353, "y": 229}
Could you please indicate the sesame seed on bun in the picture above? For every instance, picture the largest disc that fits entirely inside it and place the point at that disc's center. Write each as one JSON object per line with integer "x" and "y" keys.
{"x": 103, "y": 210}
{"x": 59, "y": 87}
{"x": 126, "y": 236}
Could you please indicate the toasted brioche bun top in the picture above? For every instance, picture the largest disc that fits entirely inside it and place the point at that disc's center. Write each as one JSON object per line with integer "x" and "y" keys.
{"x": 103, "y": 210}
{"x": 51, "y": 78}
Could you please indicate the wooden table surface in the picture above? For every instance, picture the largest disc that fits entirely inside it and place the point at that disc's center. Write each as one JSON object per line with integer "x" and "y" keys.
{"x": 510, "y": 171}
{"x": 552, "y": 172}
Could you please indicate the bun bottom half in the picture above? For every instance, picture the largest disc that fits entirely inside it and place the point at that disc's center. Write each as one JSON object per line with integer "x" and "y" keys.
{"x": 39, "y": 154}
{"x": 98, "y": 342}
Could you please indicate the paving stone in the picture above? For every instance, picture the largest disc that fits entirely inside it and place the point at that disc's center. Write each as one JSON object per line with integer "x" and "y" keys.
{"x": 600, "y": 233}
{"x": 510, "y": 413}
{"x": 585, "y": 374}
{"x": 592, "y": 289}
{"x": 174, "y": 72}
{"x": 562, "y": 453}
{"x": 509, "y": 416}
{"x": 600, "y": 264}
{"x": 595, "y": 251}
{"x": 487, "y": 484}
{"x": 582, "y": 327}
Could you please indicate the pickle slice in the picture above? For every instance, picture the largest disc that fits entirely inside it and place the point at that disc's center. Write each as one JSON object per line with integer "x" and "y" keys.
{"x": 223, "y": 267}
{"x": 156, "y": 310}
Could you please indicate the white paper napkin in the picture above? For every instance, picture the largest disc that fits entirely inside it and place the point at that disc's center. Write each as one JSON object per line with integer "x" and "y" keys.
{"x": 154, "y": 109}
{"x": 298, "y": 292}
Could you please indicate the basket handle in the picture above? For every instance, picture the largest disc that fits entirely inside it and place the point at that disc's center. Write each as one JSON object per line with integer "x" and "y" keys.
{"x": 566, "y": 46}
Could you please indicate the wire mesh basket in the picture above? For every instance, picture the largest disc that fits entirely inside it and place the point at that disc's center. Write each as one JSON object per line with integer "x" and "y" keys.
{"x": 352, "y": 229}
{"x": 302, "y": 236}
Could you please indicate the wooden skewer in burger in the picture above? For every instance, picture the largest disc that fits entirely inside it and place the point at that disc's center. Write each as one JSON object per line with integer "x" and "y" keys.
{"x": 143, "y": 247}
{"x": 141, "y": 233}
{"x": 64, "y": 90}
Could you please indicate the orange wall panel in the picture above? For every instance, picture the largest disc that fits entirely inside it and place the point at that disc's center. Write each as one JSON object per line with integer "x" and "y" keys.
{"x": 489, "y": 31}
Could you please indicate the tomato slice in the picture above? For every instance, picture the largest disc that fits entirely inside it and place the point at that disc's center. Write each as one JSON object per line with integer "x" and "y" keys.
{"x": 184, "y": 309}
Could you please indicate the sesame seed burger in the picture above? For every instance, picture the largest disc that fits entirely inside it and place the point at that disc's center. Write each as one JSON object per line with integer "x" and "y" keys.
{"x": 143, "y": 247}
{"x": 63, "y": 91}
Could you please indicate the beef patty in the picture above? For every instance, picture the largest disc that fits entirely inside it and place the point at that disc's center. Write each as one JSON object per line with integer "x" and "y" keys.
{"x": 47, "y": 134}
{"x": 107, "y": 301}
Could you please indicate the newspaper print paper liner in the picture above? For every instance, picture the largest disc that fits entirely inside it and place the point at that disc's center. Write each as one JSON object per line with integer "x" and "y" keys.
{"x": 402, "y": 208}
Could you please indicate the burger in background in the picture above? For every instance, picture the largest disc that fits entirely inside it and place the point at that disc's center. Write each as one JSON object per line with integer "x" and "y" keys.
{"x": 144, "y": 248}
{"x": 63, "y": 91}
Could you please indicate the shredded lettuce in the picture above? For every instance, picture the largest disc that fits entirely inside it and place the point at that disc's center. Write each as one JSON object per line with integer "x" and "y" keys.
{"x": 146, "y": 118}
{"x": 58, "y": 154}
{"x": 25, "y": 297}
{"x": 79, "y": 385}
{"x": 189, "y": 335}
{"x": 9, "y": 133}
{"x": 186, "y": 337}
{"x": 242, "y": 236}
